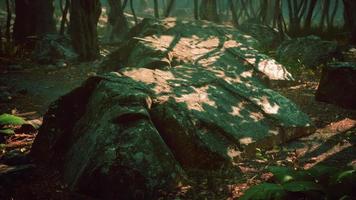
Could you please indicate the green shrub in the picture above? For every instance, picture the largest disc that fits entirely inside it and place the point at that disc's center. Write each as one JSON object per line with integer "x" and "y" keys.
{"x": 7, "y": 122}
{"x": 320, "y": 182}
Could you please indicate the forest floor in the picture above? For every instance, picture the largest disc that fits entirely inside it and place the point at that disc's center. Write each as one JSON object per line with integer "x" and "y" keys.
{"x": 27, "y": 90}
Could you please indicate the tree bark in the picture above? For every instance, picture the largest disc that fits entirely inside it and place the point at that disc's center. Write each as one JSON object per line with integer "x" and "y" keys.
{"x": 8, "y": 21}
{"x": 44, "y": 17}
{"x": 350, "y": 18}
{"x": 169, "y": 8}
{"x": 235, "y": 20}
{"x": 33, "y": 18}
{"x": 208, "y": 10}
{"x": 117, "y": 21}
{"x": 133, "y": 12}
{"x": 84, "y": 16}
{"x": 196, "y": 9}
{"x": 64, "y": 17}
{"x": 155, "y": 3}
{"x": 25, "y": 23}
{"x": 309, "y": 17}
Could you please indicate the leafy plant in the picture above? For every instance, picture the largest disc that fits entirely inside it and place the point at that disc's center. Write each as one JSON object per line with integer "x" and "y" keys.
{"x": 320, "y": 182}
{"x": 7, "y": 122}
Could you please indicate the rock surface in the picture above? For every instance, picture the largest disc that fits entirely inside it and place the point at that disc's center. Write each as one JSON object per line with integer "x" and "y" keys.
{"x": 184, "y": 95}
{"x": 337, "y": 84}
{"x": 309, "y": 51}
{"x": 52, "y": 49}
{"x": 268, "y": 37}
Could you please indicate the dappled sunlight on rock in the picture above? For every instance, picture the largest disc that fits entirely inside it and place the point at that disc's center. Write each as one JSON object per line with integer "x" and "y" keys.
{"x": 157, "y": 77}
{"x": 256, "y": 116}
{"x": 189, "y": 95}
{"x": 196, "y": 99}
{"x": 267, "y": 106}
{"x": 246, "y": 140}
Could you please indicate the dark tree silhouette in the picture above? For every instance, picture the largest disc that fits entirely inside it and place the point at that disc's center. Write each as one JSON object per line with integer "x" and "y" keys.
{"x": 350, "y": 18}
{"x": 44, "y": 17}
{"x": 117, "y": 21}
{"x": 208, "y": 10}
{"x": 24, "y": 25}
{"x": 84, "y": 16}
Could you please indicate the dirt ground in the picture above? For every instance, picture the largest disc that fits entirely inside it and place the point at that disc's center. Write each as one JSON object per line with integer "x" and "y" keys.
{"x": 27, "y": 91}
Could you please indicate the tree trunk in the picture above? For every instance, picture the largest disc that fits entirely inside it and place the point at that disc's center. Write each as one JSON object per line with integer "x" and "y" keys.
{"x": 64, "y": 17}
{"x": 133, "y": 12}
{"x": 84, "y": 16}
{"x": 117, "y": 21}
{"x": 33, "y": 18}
{"x": 196, "y": 9}
{"x": 169, "y": 8}
{"x": 25, "y": 23}
{"x": 155, "y": 3}
{"x": 309, "y": 17}
{"x": 208, "y": 10}
{"x": 44, "y": 17}
{"x": 350, "y": 18}
{"x": 8, "y": 21}
{"x": 235, "y": 20}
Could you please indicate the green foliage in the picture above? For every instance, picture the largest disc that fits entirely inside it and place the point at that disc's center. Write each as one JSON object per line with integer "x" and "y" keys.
{"x": 320, "y": 182}
{"x": 7, "y": 131}
{"x": 265, "y": 191}
{"x": 6, "y": 121}
{"x": 286, "y": 174}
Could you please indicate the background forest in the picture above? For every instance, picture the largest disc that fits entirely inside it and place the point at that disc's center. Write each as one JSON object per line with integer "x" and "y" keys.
{"x": 325, "y": 18}
{"x": 178, "y": 99}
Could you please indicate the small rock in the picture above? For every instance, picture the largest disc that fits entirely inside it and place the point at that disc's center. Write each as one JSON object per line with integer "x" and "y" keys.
{"x": 309, "y": 51}
{"x": 61, "y": 64}
{"x": 337, "y": 84}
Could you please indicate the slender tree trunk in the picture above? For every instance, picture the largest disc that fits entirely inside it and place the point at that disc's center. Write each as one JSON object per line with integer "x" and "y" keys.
{"x": 196, "y": 9}
{"x": 124, "y": 4}
{"x": 133, "y": 12}
{"x": 208, "y": 10}
{"x": 33, "y": 18}
{"x": 333, "y": 14}
{"x": 278, "y": 18}
{"x": 8, "y": 21}
{"x": 25, "y": 21}
{"x": 324, "y": 14}
{"x": 263, "y": 11}
{"x": 350, "y": 18}
{"x": 44, "y": 17}
{"x": 169, "y": 8}
{"x": 235, "y": 20}
{"x": 64, "y": 17}
{"x": 309, "y": 17}
{"x": 117, "y": 21}
{"x": 84, "y": 16}
{"x": 155, "y": 3}
{"x": 1, "y": 43}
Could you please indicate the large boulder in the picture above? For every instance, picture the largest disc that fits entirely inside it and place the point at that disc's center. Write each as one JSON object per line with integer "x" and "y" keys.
{"x": 269, "y": 38}
{"x": 337, "y": 84}
{"x": 309, "y": 51}
{"x": 53, "y": 48}
{"x": 196, "y": 99}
